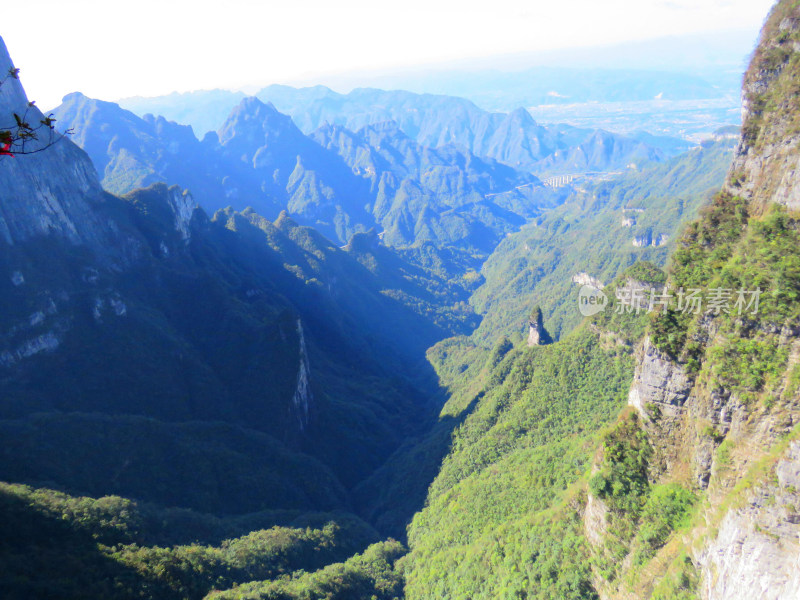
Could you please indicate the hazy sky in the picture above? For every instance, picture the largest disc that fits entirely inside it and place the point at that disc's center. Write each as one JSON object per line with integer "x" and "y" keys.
{"x": 111, "y": 49}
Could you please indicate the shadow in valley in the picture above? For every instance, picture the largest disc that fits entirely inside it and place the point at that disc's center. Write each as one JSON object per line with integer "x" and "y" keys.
{"x": 391, "y": 496}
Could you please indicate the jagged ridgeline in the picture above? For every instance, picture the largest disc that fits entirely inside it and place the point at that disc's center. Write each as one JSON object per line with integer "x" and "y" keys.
{"x": 434, "y": 121}
{"x": 339, "y": 181}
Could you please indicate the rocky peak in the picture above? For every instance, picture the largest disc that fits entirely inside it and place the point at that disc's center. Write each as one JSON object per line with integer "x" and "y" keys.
{"x": 12, "y": 95}
{"x": 363, "y": 242}
{"x": 104, "y": 128}
{"x": 164, "y": 128}
{"x": 327, "y": 132}
{"x": 54, "y": 192}
{"x": 257, "y": 134}
{"x": 522, "y": 117}
{"x": 284, "y": 222}
{"x": 171, "y": 207}
{"x": 537, "y": 334}
{"x": 388, "y": 128}
{"x": 387, "y": 137}
{"x": 182, "y": 205}
{"x": 265, "y": 117}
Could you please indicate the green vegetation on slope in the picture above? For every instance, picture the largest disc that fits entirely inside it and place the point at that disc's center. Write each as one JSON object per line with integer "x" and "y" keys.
{"x": 593, "y": 232}
{"x": 370, "y": 575}
{"x": 641, "y": 516}
{"x": 729, "y": 250}
{"x": 501, "y": 518}
{"x": 776, "y": 67}
{"x": 57, "y": 546}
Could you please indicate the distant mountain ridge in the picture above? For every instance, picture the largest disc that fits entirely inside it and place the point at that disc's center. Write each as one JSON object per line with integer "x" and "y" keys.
{"x": 432, "y": 120}
{"x": 204, "y": 110}
{"x": 513, "y": 138}
{"x": 341, "y": 182}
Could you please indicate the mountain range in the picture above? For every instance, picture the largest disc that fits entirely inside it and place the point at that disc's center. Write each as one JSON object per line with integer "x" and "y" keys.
{"x": 383, "y": 386}
{"x": 341, "y": 182}
{"x": 704, "y": 65}
{"x": 432, "y": 120}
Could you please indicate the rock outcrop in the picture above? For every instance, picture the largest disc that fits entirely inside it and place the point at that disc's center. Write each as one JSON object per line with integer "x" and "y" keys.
{"x": 650, "y": 239}
{"x": 584, "y": 278}
{"x": 537, "y": 334}
{"x": 301, "y": 400}
{"x": 55, "y": 192}
{"x": 767, "y": 161}
{"x": 658, "y": 384}
{"x": 756, "y": 553}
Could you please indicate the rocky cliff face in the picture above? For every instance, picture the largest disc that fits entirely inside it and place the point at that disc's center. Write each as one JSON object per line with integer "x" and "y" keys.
{"x": 53, "y": 193}
{"x": 756, "y": 552}
{"x": 537, "y": 334}
{"x": 767, "y": 159}
{"x": 301, "y": 400}
{"x": 717, "y": 392}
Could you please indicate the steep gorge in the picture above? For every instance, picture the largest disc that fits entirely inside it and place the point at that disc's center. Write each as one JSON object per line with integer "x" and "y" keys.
{"x": 638, "y": 456}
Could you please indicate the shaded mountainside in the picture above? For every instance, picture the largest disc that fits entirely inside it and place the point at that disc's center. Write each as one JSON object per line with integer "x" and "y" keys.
{"x": 224, "y": 324}
{"x": 143, "y": 305}
{"x": 61, "y": 546}
{"x": 227, "y": 365}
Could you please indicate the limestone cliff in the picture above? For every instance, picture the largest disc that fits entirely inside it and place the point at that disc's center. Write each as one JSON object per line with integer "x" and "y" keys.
{"x": 537, "y": 334}
{"x": 301, "y": 400}
{"x": 767, "y": 161}
{"x": 716, "y": 390}
{"x": 55, "y": 192}
{"x": 756, "y": 551}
